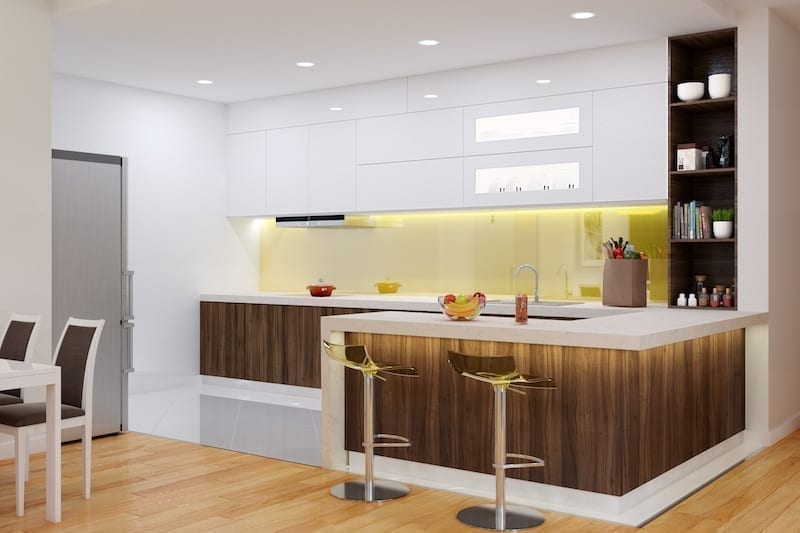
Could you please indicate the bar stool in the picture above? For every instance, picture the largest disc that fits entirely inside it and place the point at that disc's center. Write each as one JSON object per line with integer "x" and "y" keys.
{"x": 369, "y": 489}
{"x": 501, "y": 373}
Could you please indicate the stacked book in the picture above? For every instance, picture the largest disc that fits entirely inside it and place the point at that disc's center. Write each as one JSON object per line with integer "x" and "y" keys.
{"x": 691, "y": 220}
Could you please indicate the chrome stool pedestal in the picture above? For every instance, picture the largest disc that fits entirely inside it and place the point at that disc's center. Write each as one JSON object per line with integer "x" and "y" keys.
{"x": 501, "y": 373}
{"x": 369, "y": 489}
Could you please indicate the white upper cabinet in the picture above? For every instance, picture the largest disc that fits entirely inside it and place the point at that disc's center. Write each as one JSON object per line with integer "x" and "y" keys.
{"x": 534, "y": 124}
{"x": 287, "y": 171}
{"x": 245, "y": 163}
{"x": 630, "y": 135}
{"x": 332, "y": 168}
{"x": 528, "y": 178}
{"x": 410, "y": 137}
{"x": 431, "y": 184}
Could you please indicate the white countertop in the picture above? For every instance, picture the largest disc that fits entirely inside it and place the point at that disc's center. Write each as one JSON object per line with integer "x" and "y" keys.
{"x": 636, "y": 330}
{"x": 624, "y": 328}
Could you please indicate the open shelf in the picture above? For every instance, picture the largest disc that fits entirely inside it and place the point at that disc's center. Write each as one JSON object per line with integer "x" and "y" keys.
{"x": 695, "y": 57}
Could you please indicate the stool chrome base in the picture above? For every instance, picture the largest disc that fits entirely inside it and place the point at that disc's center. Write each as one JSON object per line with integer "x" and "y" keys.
{"x": 517, "y": 517}
{"x": 383, "y": 490}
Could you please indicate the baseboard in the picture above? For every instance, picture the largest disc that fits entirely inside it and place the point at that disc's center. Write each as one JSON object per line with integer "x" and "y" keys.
{"x": 634, "y": 508}
{"x": 259, "y": 391}
{"x": 784, "y": 430}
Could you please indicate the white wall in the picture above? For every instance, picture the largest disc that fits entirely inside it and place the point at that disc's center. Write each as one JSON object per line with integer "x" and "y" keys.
{"x": 784, "y": 221}
{"x": 767, "y": 219}
{"x": 180, "y": 243}
{"x": 25, "y": 220}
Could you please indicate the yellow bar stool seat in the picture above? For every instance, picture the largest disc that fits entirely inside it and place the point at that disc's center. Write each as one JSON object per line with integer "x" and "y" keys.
{"x": 369, "y": 489}
{"x": 501, "y": 373}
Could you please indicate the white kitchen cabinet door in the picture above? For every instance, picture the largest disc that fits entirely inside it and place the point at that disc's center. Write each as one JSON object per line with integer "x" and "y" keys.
{"x": 410, "y": 137}
{"x": 630, "y": 136}
{"x": 545, "y": 123}
{"x": 332, "y": 168}
{"x": 287, "y": 171}
{"x": 546, "y": 177}
{"x": 431, "y": 184}
{"x": 245, "y": 167}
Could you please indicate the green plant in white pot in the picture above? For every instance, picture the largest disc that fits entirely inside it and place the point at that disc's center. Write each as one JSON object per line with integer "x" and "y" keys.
{"x": 722, "y": 222}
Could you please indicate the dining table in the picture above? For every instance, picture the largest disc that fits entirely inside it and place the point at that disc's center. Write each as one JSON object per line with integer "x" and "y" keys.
{"x": 23, "y": 374}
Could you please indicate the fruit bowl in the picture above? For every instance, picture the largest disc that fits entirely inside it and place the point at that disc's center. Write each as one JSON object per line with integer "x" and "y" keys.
{"x": 462, "y": 307}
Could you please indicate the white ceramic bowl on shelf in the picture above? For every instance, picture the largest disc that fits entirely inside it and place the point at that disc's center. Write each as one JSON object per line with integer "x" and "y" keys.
{"x": 689, "y": 91}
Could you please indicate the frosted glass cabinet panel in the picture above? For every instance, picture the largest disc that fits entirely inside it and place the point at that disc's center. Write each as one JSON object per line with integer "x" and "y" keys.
{"x": 528, "y": 178}
{"x": 564, "y": 121}
{"x": 534, "y": 124}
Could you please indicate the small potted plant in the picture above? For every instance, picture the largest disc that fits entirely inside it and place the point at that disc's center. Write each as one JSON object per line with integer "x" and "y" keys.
{"x": 723, "y": 222}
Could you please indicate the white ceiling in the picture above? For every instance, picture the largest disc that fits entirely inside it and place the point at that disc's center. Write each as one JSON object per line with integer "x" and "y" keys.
{"x": 249, "y": 47}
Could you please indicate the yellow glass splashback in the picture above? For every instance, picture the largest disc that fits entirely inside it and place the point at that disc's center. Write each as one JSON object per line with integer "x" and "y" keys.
{"x": 436, "y": 253}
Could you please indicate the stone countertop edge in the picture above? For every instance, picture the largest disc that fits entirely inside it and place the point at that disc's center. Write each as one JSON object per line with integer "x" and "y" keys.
{"x": 642, "y": 330}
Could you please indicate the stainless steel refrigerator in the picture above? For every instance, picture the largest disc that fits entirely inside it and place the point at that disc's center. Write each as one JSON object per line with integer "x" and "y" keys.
{"x": 90, "y": 275}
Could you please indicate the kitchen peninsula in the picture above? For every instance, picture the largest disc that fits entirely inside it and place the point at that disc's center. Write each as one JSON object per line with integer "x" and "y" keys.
{"x": 650, "y": 404}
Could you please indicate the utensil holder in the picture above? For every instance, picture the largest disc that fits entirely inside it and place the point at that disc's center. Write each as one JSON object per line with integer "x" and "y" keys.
{"x": 625, "y": 282}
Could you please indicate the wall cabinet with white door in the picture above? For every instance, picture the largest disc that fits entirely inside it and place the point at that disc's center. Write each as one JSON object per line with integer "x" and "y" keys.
{"x": 245, "y": 165}
{"x": 630, "y": 133}
{"x": 410, "y": 136}
{"x": 407, "y": 185}
{"x": 545, "y": 177}
{"x": 310, "y": 169}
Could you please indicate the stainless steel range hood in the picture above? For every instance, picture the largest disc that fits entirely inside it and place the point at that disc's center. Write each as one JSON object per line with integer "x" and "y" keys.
{"x": 326, "y": 221}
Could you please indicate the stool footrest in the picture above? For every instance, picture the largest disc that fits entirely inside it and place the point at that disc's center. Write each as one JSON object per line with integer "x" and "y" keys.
{"x": 534, "y": 461}
{"x": 399, "y": 441}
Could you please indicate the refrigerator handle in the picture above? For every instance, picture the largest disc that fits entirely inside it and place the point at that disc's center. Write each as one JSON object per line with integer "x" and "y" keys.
{"x": 127, "y": 322}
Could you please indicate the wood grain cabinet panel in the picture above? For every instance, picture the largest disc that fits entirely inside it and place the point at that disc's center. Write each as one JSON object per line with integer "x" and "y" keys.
{"x": 617, "y": 419}
{"x": 262, "y": 342}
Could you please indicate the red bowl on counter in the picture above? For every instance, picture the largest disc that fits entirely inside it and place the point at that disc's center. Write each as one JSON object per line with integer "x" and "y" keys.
{"x": 321, "y": 289}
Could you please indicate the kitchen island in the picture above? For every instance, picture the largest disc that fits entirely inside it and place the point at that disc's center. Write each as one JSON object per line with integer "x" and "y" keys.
{"x": 650, "y": 404}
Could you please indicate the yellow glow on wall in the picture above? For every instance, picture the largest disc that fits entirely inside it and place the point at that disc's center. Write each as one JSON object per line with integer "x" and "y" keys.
{"x": 437, "y": 252}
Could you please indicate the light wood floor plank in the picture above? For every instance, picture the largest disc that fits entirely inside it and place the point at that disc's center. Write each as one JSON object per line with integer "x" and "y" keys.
{"x": 146, "y": 483}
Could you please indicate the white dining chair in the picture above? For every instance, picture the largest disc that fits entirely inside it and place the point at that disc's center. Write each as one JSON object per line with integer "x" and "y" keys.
{"x": 19, "y": 342}
{"x": 76, "y": 354}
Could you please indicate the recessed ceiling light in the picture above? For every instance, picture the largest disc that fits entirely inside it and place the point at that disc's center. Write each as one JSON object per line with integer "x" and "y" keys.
{"x": 430, "y": 96}
{"x": 304, "y": 64}
{"x": 428, "y": 42}
{"x": 204, "y": 82}
{"x": 542, "y": 82}
{"x": 581, "y": 15}
{"x": 335, "y": 108}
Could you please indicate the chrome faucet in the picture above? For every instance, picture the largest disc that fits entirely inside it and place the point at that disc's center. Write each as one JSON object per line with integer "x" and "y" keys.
{"x": 567, "y": 292}
{"x": 536, "y": 275}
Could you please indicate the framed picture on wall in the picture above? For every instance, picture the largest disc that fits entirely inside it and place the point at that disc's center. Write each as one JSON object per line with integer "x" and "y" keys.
{"x": 591, "y": 238}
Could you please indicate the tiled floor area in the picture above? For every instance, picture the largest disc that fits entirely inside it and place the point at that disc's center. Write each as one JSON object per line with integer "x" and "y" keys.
{"x": 271, "y": 424}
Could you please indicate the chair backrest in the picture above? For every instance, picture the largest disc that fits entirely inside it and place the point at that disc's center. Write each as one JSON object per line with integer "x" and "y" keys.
{"x": 19, "y": 337}
{"x": 76, "y": 354}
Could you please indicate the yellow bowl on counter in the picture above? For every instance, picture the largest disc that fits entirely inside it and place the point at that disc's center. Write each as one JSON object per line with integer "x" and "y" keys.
{"x": 388, "y": 287}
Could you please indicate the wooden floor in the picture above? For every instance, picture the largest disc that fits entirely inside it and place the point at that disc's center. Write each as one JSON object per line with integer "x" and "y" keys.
{"x": 145, "y": 483}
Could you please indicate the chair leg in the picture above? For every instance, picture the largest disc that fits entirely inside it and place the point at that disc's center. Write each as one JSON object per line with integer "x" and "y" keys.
{"x": 21, "y": 453}
{"x": 86, "y": 444}
{"x": 27, "y": 461}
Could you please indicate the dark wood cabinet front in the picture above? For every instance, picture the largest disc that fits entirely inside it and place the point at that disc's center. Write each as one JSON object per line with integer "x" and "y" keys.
{"x": 262, "y": 342}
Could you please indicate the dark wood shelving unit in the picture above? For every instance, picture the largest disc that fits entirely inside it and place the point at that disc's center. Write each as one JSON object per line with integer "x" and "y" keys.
{"x": 693, "y": 58}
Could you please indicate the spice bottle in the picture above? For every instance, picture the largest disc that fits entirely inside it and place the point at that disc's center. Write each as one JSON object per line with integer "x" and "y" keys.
{"x": 682, "y": 300}
{"x": 727, "y": 299}
{"x": 714, "y": 301}
{"x": 692, "y": 300}
{"x": 702, "y": 300}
